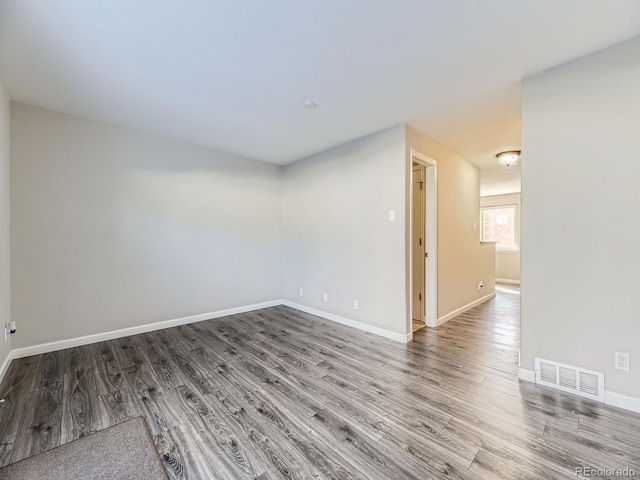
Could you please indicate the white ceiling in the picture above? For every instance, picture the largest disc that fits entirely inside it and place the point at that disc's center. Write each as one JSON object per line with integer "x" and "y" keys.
{"x": 499, "y": 180}
{"x": 232, "y": 74}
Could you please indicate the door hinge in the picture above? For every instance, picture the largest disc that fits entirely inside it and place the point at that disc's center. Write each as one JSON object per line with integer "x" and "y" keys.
{"x": 420, "y": 296}
{"x": 420, "y": 185}
{"x": 426, "y": 254}
{"x": 421, "y": 242}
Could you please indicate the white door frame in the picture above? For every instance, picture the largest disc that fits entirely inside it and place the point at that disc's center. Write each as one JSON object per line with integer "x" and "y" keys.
{"x": 431, "y": 227}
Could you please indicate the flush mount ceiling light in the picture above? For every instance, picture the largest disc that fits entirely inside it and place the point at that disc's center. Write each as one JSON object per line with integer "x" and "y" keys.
{"x": 508, "y": 158}
{"x": 309, "y": 104}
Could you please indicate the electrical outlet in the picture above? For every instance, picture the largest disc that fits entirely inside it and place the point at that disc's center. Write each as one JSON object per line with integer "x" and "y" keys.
{"x": 392, "y": 215}
{"x": 301, "y": 291}
{"x": 9, "y": 329}
{"x": 622, "y": 361}
{"x": 356, "y": 306}
{"x": 325, "y": 296}
{"x": 480, "y": 285}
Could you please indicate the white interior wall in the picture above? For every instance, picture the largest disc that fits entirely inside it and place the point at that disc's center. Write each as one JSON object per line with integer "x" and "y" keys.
{"x": 338, "y": 238}
{"x": 113, "y": 228}
{"x": 580, "y": 255}
{"x": 337, "y": 234}
{"x": 5, "y": 215}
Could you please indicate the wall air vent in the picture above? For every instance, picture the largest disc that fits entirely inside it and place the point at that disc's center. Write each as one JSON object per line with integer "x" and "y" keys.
{"x": 548, "y": 373}
{"x": 578, "y": 381}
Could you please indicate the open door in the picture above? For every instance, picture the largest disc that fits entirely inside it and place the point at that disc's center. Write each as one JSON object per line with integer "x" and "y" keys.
{"x": 422, "y": 240}
{"x": 418, "y": 295}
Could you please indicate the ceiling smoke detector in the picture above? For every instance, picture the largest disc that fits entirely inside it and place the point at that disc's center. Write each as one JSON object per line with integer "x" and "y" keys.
{"x": 508, "y": 158}
{"x": 310, "y": 104}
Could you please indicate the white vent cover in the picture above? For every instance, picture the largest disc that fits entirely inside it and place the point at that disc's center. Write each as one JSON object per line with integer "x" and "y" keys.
{"x": 579, "y": 381}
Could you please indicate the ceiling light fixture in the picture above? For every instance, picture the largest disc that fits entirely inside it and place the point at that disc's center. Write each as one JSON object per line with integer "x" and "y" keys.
{"x": 310, "y": 104}
{"x": 508, "y": 158}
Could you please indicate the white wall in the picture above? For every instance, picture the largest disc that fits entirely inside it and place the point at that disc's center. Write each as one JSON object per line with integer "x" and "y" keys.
{"x": 507, "y": 262}
{"x": 581, "y": 204}
{"x": 338, "y": 239}
{"x": 113, "y": 228}
{"x": 462, "y": 260}
{"x": 5, "y": 215}
{"x": 337, "y": 235}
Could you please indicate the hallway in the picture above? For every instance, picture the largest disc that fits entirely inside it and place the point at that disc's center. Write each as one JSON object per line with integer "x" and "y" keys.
{"x": 487, "y": 336}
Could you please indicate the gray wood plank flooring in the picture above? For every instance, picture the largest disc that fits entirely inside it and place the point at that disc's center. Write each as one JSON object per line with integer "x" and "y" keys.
{"x": 277, "y": 393}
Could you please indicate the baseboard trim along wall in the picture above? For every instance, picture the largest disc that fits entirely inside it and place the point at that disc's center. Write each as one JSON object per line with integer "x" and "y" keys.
{"x": 464, "y": 308}
{"x": 527, "y": 375}
{"x": 610, "y": 398}
{"x": 506, "y": 280}
{"x": 398, "y": 337}
{"x": 126, "y": 332}
{"x": 622, "y": 401}
{"x": 5, "y": 365}
{"x": 150, "y": 327}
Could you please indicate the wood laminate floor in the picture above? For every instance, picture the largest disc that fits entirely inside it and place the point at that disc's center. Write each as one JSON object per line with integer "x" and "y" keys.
{"x": 417, "y": 325}
{"x": 278, "y": 393}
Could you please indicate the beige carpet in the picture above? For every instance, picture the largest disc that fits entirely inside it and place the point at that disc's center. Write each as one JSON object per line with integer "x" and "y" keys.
{"x": 124, "y": 451}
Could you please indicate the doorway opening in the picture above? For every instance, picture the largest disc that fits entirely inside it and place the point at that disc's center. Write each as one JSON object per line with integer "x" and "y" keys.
{"x": 423, "y": 282}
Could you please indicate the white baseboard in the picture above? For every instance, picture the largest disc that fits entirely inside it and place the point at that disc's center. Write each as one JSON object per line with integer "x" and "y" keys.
{"x": 527, "y": 375}
{"x": 5, "y": 365}
{"x": 610, "y": 398}
{"x": 463, "y": 309}
{"x": 149, "y": 327}
{"x": 506, "y": 280}
{"x": 622, "y": 401}
{"x": 126, "y": 332}
{"x": 398, "y": 337}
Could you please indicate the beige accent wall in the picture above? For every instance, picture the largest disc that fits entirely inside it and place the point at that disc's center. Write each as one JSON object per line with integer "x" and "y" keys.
{"x": 5, "y": 216}
{"x": 337, "y": 234}
{"x": 507, "y": 262}
{"x": 581, "y": 204}
{"x": 462, "y": 260}
{"x": 113, "y": 228}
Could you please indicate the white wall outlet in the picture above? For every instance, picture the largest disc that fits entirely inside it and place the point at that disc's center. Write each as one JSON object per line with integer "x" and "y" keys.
{"x": 622, "y": 361}
{"x": 9, "y": 329}
{"x": 301, "y": 291}
{"x": 480, "y": 285}
{"x": 392, "y": 215}
{"x": 356, "y": 305}
{"x": 325, "y": 296}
